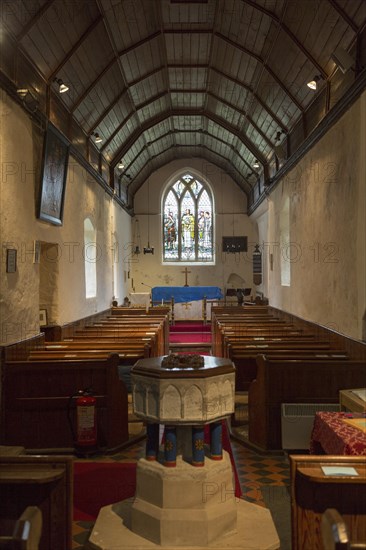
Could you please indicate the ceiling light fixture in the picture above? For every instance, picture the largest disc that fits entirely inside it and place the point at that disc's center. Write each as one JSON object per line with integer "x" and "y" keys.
{"x": 22, "y": 92}
{"x": 313, "y": 84}
{"x": 342, "y": 59}
{"x": 279, "y": 148}
{"x": 62, "y": 88}
{"x": 29, "y": 100}
{"x": 278, "y": 135}
{"x": 97, "y": 137}
{"x": 256, "y": 164}
{"x": 120, "y": 165}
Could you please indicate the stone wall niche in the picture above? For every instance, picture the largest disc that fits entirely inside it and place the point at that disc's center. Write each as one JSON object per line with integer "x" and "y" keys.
{"x": 48, "y": 280}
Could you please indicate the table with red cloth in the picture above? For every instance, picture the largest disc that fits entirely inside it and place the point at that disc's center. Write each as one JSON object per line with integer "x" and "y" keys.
{"x": 332, "y": 436}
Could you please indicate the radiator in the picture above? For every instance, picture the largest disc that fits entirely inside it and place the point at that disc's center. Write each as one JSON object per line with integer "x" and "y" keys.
{"x": 297, "y": 422}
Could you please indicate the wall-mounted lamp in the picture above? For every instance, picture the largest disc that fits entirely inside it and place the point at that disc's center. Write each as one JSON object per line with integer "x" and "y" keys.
{"x": 342, "y": 59}
{"x": 62, "y": 88}
{"x": 313, "y": 84}
{"x": 278, "y": 148}
{"x": 22, "y": 92}
{"x": 278, "y": 135}
{"x": 29, "y": 101}
{"x": 97, "y": 137}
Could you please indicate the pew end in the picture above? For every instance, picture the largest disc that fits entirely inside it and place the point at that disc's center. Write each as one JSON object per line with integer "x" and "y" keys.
{"x": 334, "y": 532}
{"x": 37, "y": 492}
{"x": 313, "y": 494}
{"x": 24, "y": 533}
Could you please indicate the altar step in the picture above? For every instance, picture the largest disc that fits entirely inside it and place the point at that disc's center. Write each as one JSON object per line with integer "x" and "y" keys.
{"x": 191, "y": 347}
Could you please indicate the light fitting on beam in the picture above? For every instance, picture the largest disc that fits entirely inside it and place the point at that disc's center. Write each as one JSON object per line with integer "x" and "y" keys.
{"x": 22, "y": 92}
{"x": 97, "y": 137}
{"x": 256, "y": 164}
{"x": 313, "y": 84}
{"x": 342, "y": 59}
{"x": 120, "y": 165}
{"x": 279, "y": 148}
{"x": 29, "y": 100}
{"x": 62, "y": 88}
{"x": 278, "y": 135}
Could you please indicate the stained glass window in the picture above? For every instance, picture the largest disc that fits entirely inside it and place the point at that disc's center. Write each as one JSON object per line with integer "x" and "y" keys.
{"x": 188, "y": 221}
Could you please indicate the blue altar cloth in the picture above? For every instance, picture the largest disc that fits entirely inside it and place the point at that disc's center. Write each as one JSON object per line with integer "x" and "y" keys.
{"x": 185, "y": 293}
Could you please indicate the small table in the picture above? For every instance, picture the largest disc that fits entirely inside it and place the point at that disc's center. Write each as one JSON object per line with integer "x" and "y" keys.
{"x": 332, "y": 436}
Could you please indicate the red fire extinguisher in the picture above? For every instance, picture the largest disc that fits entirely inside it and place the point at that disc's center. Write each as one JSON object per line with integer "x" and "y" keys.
{"x": 85, "y": 436}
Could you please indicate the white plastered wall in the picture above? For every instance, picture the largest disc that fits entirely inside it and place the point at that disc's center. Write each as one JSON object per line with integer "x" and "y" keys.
{"x": 21, "y": 154}
{"x": 327, "y": 252}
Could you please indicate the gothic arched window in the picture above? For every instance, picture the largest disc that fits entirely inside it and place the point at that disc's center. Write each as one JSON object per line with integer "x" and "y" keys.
{"x": 188, "y": 221}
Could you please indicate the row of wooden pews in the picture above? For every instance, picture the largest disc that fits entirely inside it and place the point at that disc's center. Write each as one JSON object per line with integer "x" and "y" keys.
{"x": 40, "y": 377}
{"x": 280, "y": 358}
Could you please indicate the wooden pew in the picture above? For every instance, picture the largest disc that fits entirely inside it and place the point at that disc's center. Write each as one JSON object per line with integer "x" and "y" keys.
{"x": 140, "y": 311}
{"x": 245, "y": 359}
{"x": 111, "y": 337}
{"x": 127, "y": 315}
{"x": 295, "y": 381}
{"x": 312, "y": 493}
{"x": 45, "y": 482}
{"x": 138, "y": 346}
{"x": 36, "y": 397}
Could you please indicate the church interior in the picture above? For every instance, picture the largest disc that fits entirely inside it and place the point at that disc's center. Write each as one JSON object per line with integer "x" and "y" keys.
{"x": 183, "y": 236}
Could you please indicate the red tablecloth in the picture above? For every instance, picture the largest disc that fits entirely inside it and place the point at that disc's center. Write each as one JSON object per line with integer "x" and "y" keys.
{"x": 332, "y": 436}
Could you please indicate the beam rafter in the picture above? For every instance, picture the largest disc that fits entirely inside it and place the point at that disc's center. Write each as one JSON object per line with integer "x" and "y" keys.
{"x": 186, "y": 112}
{"x": 289, "y": 33}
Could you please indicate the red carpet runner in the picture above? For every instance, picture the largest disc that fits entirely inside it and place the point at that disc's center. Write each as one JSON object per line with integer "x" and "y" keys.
{"x": 97, "y": 484}
{"x": 190, "y": 332}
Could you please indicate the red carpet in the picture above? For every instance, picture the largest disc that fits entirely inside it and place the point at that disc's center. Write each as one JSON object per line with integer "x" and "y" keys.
{"x": 190, "y": 326}
{"x": 190, "y": 337}
{"x": 97, "y": 484}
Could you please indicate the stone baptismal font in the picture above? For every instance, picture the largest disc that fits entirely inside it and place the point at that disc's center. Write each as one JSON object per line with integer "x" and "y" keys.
{"x": 185, "y": 489}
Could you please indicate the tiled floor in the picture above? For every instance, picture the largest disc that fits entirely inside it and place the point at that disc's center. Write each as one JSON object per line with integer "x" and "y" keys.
{"x": 254, "y": 472}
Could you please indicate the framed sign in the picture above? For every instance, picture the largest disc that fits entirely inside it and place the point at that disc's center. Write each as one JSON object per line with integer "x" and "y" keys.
{"x": 42, "y": 317}
{"x": 11, "y": 260}
{"x": 53, "y": 178}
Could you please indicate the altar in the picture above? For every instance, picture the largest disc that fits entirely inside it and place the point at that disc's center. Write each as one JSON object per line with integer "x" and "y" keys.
{"x": 189, "y": 302}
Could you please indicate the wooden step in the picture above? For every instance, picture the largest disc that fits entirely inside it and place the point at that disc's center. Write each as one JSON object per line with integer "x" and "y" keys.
{"x": 193, "y": 346}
